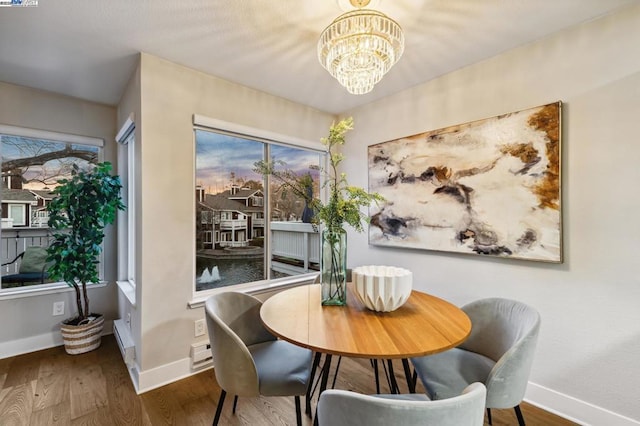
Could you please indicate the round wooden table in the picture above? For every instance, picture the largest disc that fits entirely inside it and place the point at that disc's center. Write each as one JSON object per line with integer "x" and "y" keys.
{"x": 424, "y": 325}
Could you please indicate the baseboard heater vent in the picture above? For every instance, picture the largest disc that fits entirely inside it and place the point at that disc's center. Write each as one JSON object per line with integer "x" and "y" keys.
{"x": 125, "y": 341}
{"x": 201, "y": 356}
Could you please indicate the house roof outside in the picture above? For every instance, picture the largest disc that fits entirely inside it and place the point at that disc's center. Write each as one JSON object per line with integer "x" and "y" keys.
{"x": 18, "y": 196}
{"x": 221, "y": 202}
{"x": 45, "y": 194}
{"x": 243, "y": 193}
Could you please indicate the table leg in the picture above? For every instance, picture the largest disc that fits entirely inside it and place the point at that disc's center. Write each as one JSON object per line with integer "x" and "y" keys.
{"x": 374, "y": 364}
{"x": 325, "y": 373}
{"x": 335, "y": 376}
{"x": 407, "y": 374}
{"x": 323, "y": 383}
{"x": 311, "y": 388}
{"x": 392, "y": 378}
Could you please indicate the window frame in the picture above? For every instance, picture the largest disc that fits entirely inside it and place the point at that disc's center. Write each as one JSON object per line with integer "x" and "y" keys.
{"x": 68, "y": 138}
{"x": 204, "y": 123}
{"x": 126, "y": 139}
{"x": 23, "y": 213}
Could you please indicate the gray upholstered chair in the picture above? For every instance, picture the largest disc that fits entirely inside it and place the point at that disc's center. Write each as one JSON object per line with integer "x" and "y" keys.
{"x": 344, "y": 408}
{"x": 499, "y": 353}
{"x": 247, "y": 359}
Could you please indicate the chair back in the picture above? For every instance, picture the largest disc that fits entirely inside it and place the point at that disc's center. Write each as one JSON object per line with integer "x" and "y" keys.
{"x": 505, "y": 331}
{"x": 233, "y": 323}
{"x": 345, "y": 408}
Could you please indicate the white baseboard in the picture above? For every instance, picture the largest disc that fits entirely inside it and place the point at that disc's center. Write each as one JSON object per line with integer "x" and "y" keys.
{"x": 142, "y": 381}
{"x": 39, "y": 342}
{"x": 165, "y": 374}
{"x": 573, "y": 409}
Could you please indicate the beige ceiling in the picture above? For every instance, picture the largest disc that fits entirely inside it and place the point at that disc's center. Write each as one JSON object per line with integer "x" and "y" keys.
{"x": 87, "y": 48}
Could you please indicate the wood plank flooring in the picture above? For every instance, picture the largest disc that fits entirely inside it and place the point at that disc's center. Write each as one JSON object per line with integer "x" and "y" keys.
{"x": 50, "y": 387}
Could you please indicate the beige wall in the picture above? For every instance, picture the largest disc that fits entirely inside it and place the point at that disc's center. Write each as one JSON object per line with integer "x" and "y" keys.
{"x": 130, "y": 103}
{"x": 171, "y": 94}
{"x": 32, "y": 324}
{"x": 590, "y": 340}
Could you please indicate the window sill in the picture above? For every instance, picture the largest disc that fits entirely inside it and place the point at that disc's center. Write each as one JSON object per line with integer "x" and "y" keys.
{"x": 257, "y": 288}
{"x": 41, "y": 290}
{"x": 128, "y": 289}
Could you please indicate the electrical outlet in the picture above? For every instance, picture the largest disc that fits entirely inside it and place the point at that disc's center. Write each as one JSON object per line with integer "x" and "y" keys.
{"x": 58, "y": 308}
{"x": 199, "y": 328}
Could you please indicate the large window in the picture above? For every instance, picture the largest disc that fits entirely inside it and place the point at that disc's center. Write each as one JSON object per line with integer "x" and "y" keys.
{"x": 248, "y": 229}
{"x": 33, "y": 163}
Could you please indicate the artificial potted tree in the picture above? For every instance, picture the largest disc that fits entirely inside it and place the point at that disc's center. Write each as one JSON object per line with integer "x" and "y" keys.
{"x": 82, "y": 206}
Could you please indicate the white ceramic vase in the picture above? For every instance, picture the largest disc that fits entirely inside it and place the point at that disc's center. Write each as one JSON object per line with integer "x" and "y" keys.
{"x": 382, "y": 288}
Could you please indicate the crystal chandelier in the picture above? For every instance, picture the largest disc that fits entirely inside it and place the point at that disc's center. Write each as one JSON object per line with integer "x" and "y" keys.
{"x": 360, "y": 47}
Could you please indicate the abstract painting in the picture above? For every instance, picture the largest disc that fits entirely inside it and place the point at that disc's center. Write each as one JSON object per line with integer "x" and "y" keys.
{"x": 488, "y": 187}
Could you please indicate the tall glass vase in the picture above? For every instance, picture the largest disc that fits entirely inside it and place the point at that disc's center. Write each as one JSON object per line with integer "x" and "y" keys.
{"x": 333, "y": 267}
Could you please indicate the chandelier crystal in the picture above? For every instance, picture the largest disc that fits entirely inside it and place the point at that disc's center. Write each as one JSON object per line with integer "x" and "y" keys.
{"x": 360, "y": 47}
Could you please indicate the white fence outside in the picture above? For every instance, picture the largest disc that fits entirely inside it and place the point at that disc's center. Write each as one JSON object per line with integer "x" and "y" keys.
{"x": 292, "y": 240}
{"x": 295, "y": 240}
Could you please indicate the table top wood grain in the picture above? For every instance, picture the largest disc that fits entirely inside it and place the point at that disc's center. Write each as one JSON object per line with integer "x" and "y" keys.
{"x": 424, "y": 325}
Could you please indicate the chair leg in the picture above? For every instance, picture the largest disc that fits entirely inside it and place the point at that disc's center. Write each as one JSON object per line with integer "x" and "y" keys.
{"x": 216, "y": 419}
{"x": 519, "y": 415}
{"x": 235, "y": 403}
{"x": 298, "y": 412}
{"x": 489, "y": 415}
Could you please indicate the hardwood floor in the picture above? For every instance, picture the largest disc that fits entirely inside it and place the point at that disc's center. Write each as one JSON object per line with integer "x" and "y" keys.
{"x": 50, "y": 387}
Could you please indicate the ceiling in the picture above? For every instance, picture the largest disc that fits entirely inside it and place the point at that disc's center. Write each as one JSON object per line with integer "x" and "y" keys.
{"x": 87, "y": 49}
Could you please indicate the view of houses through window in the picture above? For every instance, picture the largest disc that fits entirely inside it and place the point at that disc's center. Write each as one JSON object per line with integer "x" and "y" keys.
{"x": 31, "y": 169}
{"x": 245, "y": 233}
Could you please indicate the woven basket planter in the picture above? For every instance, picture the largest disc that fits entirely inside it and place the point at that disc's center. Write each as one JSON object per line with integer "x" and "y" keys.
{"x": 79, "y": 339}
